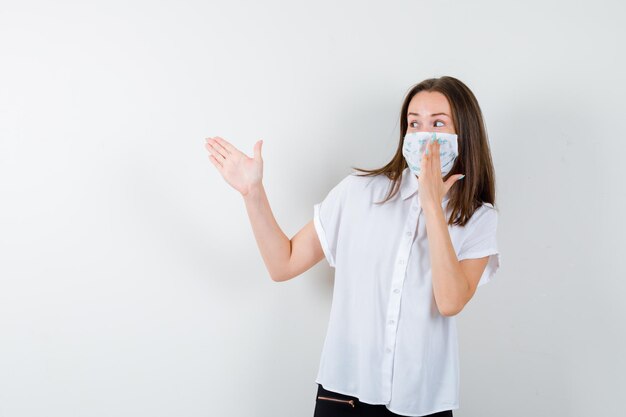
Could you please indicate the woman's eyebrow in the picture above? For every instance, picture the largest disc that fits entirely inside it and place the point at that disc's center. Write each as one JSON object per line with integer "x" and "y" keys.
{"x": 432, "y": 115}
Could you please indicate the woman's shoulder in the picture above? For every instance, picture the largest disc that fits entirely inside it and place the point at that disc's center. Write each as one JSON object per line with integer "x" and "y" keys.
{"x": 359, "y": 180}
{"x": 346, "y": 185}
{"x": 486, "y": 207}
{"x": 485, "y": 214}
{"x": 360, "y": 190}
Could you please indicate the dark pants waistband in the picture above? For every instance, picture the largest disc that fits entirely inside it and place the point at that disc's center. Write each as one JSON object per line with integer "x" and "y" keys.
{"x": 334, "y": 404}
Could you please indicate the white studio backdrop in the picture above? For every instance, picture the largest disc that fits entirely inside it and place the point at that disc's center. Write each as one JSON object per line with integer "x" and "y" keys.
{"x": 130, "y": 280}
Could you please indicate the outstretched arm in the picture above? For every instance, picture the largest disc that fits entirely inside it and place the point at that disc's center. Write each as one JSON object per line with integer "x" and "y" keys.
{"x": 284, "y": 258}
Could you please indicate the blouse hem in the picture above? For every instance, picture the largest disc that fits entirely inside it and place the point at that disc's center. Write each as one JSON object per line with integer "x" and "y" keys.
{"x": 478, "y": 254}
{"x": 322, "y": 235}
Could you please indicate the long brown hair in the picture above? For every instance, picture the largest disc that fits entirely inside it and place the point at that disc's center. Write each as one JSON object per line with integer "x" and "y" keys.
{"x": 474, "y": 158}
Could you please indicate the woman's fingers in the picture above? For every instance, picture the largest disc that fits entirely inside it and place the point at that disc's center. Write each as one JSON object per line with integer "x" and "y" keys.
{"x": 215, "y": 145}
{"x": 215, "y": 162}
{"x": 224, "y": 144}
{"x": 426, "y": 157}
{"x": 218, "y": 152}
{"x": 436, "y": 160}
{"x": 431, "y": 159}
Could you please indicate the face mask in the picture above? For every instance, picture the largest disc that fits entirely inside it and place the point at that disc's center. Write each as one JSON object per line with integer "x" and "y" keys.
{"x": 415, "y": 144}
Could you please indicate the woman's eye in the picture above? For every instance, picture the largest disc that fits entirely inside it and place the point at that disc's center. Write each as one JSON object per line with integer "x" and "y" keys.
{"x": 438, "y": 121}
{"x": 412, "y": 124}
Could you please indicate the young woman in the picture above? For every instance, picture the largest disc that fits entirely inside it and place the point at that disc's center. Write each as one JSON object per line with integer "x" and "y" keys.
{"x": 410, "y": 243}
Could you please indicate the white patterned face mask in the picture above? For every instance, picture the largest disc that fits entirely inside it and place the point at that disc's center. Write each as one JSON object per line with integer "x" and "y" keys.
{"x": 415, "y": 144}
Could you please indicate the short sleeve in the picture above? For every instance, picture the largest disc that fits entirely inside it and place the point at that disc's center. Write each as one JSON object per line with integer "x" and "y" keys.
{"x": 482, "y": 241}
{"x": 327, "y": 217}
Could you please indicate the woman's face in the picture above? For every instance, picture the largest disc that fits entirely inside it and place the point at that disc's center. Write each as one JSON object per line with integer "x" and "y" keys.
{"x": 429, "y": 111}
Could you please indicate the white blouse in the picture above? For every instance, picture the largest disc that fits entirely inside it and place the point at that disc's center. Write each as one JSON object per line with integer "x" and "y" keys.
{"x": 386, "y": 341}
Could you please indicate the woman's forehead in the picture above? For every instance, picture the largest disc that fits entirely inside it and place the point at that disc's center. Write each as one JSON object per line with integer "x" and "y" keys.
{"x": 429, "y": 103}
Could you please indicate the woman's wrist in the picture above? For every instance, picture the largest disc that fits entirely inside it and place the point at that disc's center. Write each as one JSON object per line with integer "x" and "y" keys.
{"x": 254, "y": 191}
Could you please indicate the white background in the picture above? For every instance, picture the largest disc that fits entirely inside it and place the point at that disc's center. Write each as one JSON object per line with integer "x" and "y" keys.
{"x": 130, "y": 280}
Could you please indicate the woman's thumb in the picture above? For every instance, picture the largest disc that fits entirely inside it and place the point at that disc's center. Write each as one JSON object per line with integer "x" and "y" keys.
{"x": 257, "y": 149}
